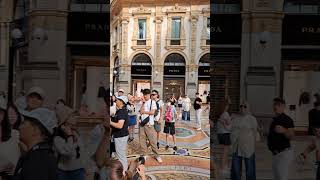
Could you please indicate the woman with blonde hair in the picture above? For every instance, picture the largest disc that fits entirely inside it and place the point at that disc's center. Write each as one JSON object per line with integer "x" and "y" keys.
{"x": 243, "y": 139}
{"x": 223, "y": 132}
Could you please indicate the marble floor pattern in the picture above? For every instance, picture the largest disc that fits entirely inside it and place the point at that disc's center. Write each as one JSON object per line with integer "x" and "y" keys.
{"x": 195, "y": 164}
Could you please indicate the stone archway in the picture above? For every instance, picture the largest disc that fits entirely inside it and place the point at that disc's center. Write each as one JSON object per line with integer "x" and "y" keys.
{"x": 174, "y": 75}
{"x": 141, "y": 73}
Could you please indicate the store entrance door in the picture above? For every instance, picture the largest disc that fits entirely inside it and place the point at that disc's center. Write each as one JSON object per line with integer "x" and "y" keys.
{"x": 138, "y": 85}
{"x": 173, "y": 87}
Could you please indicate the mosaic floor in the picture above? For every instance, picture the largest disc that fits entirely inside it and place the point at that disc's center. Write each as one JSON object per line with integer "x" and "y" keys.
{"x": 191, "y": 161}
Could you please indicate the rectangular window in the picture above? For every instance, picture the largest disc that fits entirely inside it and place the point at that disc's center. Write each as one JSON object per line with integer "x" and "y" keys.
{"x": 208, "y": 28}
{"x": 142, "y": 29}
{"x": 176, "y": 28}
{"x": 302, "y": 7}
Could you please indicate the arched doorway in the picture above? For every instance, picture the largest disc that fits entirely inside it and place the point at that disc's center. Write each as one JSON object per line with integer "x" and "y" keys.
{"x": 141, "y": 72}
{"x": 204, "y": 76}
{"x": 174, "y": 75}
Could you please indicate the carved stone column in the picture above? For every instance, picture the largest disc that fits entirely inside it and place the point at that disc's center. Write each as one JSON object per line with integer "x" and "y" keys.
{"x": 192, "y": 72}
{"x": 261, "y": 62}
{"x": 194, "y": 21}
{"x": 158, "y": 77}
{"x": 124, "y": 40}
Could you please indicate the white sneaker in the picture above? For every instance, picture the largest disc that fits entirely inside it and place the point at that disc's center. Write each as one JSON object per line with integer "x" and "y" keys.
{"x": 158, "y": 158}
{"x": 199, "y": 129}
{"x": 145, "y": 158}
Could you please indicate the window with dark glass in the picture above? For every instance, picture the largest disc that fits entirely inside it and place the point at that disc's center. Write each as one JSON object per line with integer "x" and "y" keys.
{"x": 302, "y": 6}
{"x": 226, "y": 6}
{"x": 175, "y": 31}
{"x": 142, "y": 31}
{"x": 89, "y": 6}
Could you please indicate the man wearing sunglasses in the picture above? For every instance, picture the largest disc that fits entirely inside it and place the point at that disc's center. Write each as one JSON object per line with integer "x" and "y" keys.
{"x": 280, "y": 134}
{"x": 158, "y": 115}
{"x": 146, "y": 130}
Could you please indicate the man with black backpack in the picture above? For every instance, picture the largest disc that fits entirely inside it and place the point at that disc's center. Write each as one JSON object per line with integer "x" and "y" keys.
{"x": 158, "y": 115}
{"x": 146, "y": 129}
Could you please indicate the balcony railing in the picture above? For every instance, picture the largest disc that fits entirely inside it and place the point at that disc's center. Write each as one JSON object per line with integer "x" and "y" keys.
{"x": 175, "y": 42}
{"x": 141, "y": 42}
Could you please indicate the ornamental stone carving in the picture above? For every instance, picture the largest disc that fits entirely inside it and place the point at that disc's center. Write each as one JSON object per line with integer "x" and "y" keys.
{"x": 141, "y": 11}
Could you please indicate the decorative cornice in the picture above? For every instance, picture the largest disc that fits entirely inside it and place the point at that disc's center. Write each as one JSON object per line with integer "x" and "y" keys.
{"x": 139, "y": 47}
{"x": 56, "y": 13}
{"x": 158, "y": 19}
{"x": 141, "y": 11}
{"x": 194, "y": 17}
{"x": 124, "y": 19}
{"x": 205, "y": 47}
{"x": 206, "y": 10}
{"x": 177, "y": 9}
{"x": 175, "y": 47}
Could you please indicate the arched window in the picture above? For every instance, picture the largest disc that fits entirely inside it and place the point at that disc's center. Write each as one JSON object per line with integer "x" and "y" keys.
{"x": 205, "y": 60}
{"x": 141, "y": 66}
{"x": 174, "y": 59}
{"x": 204, "y": 67}
{"x": 141, "y": 60}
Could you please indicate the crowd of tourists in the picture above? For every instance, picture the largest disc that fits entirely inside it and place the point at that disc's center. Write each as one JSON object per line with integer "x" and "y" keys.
{"x": 39, "y": 142}
{"x": 151, "y": 115}
{"x": 239, "y": 133}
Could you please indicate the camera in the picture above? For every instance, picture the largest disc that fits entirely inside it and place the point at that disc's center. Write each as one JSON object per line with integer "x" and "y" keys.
{"x": 132, "y": 170}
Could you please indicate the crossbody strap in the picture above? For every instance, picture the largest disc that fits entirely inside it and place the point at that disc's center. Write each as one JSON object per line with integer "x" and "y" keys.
{"x": 150, "y": 106}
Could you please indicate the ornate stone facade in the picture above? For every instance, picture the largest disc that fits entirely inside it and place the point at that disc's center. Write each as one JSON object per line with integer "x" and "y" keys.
{"x": 192, "y": 42}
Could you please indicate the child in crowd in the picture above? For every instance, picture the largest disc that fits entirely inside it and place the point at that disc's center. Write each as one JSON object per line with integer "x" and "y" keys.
{"x": 169, "y": 127}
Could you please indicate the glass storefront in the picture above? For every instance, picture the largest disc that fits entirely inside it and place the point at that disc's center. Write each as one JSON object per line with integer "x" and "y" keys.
{"x": 174, "y": 76}
{"x": 141, "y": 71}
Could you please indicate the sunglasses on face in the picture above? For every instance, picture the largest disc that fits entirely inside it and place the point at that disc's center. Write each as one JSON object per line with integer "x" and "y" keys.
{"x": 243, "y": 106}
{"x": 153, "y": 94}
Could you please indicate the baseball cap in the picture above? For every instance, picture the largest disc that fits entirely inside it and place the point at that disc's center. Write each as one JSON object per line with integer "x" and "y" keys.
{"x": 46, "y": 117}
{"x": 123, "y": 98}
{"x": 37, "y": 90}
{"x": 121, "y": 90}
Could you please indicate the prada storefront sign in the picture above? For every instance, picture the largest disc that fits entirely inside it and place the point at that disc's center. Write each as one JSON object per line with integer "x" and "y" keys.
{"x": 204, "y": 71}
{"x": 175, "y": 70}
{"x": 226, "y": 29}
{"x": 301, "y": 30}
{"x": 88, "y": 27}
{"x": 141, "y": 70}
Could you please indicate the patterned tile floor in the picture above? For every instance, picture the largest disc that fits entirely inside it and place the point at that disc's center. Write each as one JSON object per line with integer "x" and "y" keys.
{"x": 196, "y": 165}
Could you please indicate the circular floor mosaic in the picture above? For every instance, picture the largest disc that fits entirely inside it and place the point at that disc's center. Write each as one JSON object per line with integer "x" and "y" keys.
{"x": 183, "y": 132}
{"x": 175, "y": 176}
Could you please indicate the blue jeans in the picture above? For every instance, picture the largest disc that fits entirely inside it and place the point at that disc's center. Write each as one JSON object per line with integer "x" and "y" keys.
{"x": 78, "y": 174}
{"x": 236, "y": 167}
{"x": 186, "y": 115}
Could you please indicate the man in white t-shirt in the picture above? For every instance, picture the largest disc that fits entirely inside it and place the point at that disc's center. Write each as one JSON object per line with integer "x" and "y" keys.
{"x": 186, "y": 104}
{"x": 147, "y": 130}
{"x": 159, "y": 117}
